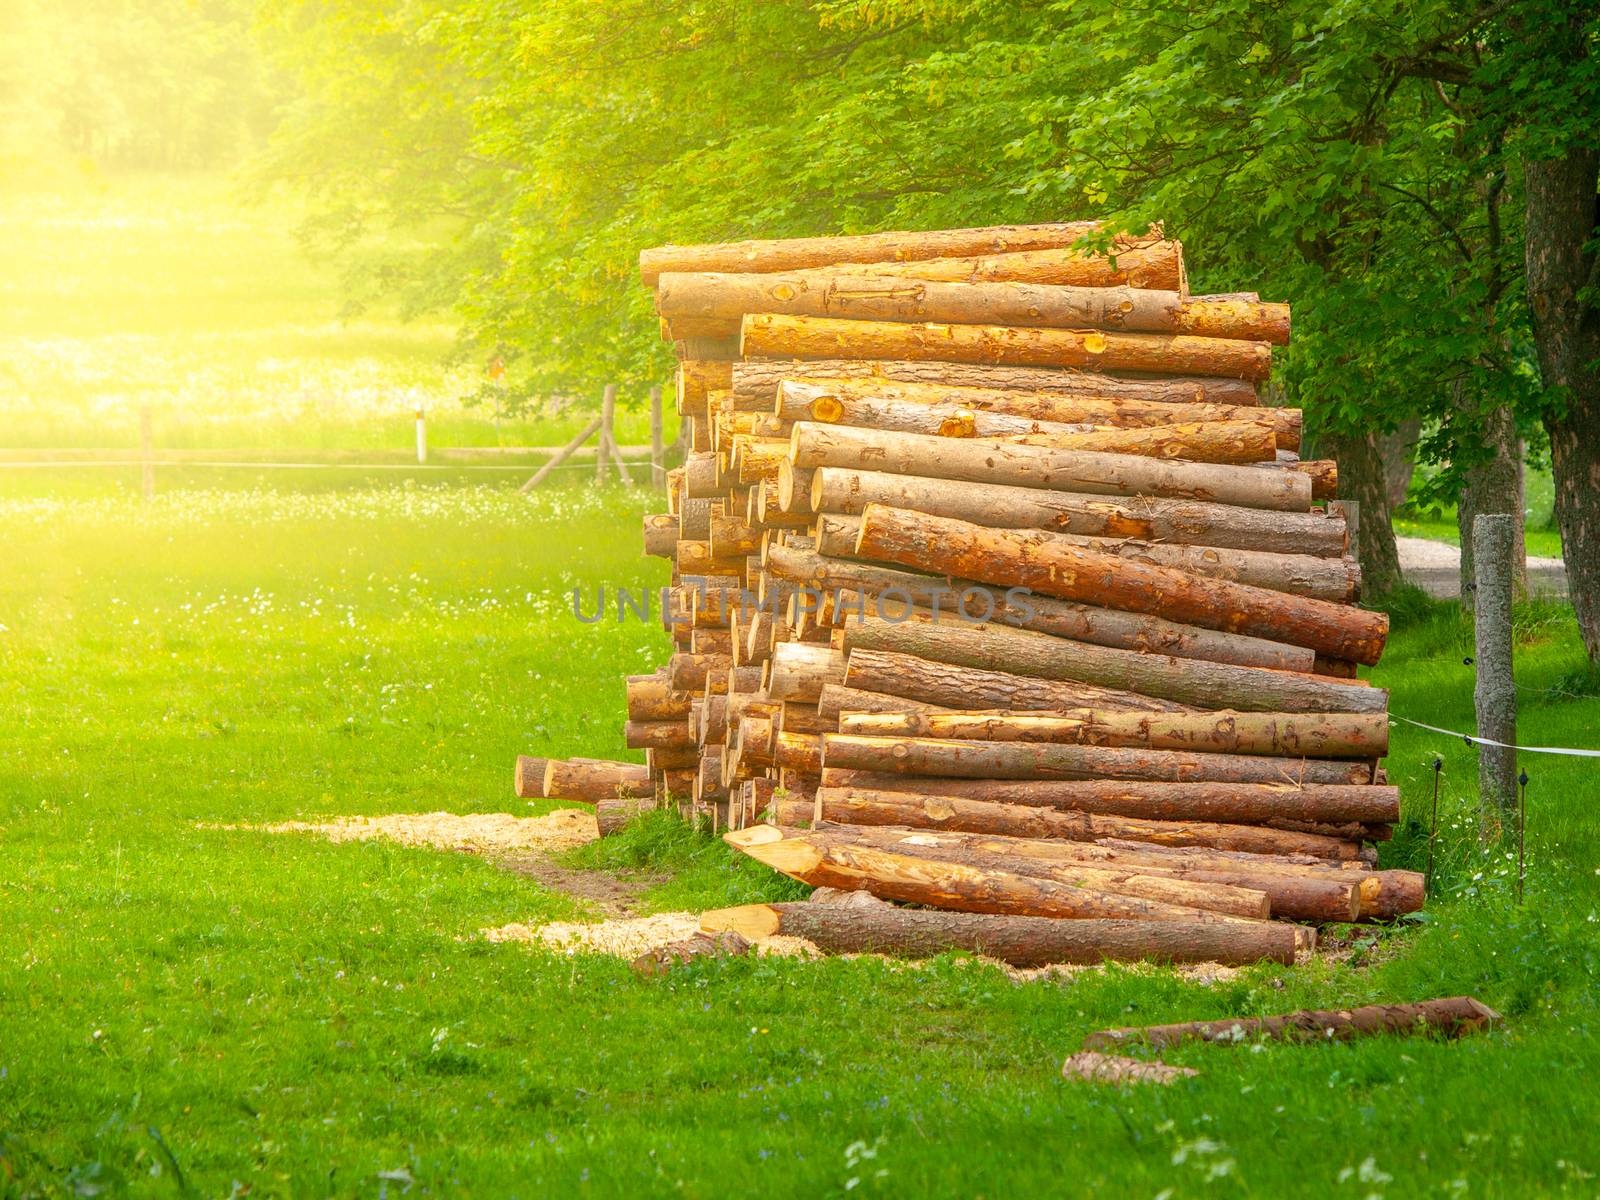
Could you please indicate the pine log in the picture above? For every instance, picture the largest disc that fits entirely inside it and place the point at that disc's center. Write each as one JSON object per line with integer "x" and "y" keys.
{"x": 671, "y": 760}
{"x": 916, "y": 809}
{"x": 613, "y": 813}
{"x": 797, "y": 717}
{"x": 1297, "y": 895}
{"x": 692, "y": 672}
{"x": 856, "y": 292}
{"x": 789, "y": 254}
{"x": 835, "y": 699}
{"x": 798, "y": 670}
{"x": 1054, "y": 760}
{"x": 661, "y": 534}
{"x": 673, "y": 785}
{"x": 592, "y": 780}
{"x": 1229, "y": 803}
{"x": 773, "y": 335}
{"x": 1297, "y": 735}
{"x": 707, "y": 349}
{"x": 530, "y": 777}
{"x": 1043, "y": 614}
{"x": 1453, "y": 1017}
{"x": 756, "y": 382}
{"x": 987, "y": 461}
{"x": 880, "y": 403}
{"x": 826, "y": 862}
{"x": 799, "y": 752}
{"x": 651, "y": 698}
{"x": 731, "y": 537}
{"x": 1124, "y": 880}
{"x": 952, "y": 686}
{"x": 1021, "y": 559}
{"x": 657, "y": 735}
{"x": 1185, "y": 681}
{"x": 700, "y": 476}
{"x": 711, "y": 641}
{"x": 1220, "y": 442}
{"x": 868, "y": 925}
{"x": 696, "y": 379}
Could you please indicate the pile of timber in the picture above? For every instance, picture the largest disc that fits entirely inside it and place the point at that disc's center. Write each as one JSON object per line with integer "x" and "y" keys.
{"x": 996, "y": 591}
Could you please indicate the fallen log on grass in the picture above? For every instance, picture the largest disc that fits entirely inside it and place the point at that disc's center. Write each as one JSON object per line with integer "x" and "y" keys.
{"x": 593, "y": 780}
{"x": 863, "y": 924}
{"x": 1452, "y": 1017}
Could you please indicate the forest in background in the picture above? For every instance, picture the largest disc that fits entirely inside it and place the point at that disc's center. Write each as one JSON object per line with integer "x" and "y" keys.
{"x": 1391, "y": 170}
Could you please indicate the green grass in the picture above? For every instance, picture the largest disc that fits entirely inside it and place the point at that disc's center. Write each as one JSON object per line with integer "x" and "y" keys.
{"x": 1543, "y": 543}
{"x": 292, "y": 1017}
{"x": 168, "y": 292}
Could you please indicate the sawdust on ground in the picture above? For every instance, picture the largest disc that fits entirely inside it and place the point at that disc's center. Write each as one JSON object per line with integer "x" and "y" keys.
{"x": 474, "y": 833}
{"x": 630, "y": 937}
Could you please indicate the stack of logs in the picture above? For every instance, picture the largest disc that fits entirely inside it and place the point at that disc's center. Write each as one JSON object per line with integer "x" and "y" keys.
{"x": 996, "y": 591}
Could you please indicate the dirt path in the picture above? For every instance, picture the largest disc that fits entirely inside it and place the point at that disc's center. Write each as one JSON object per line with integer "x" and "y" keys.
{"x": 611, "y": 894}
{"x": 1435, "y": 567}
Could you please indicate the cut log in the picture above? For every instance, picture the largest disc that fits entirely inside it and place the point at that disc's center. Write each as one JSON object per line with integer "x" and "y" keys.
{"x": 1193, "y": 682}
{"x": 697, "y": 379}
{"x": 657, "y": 735}
{"x": 1451, "y": 1017}
{"x": 883, "y": 403}
{"x": 1308, "y": 735}
{"x": 592, "y": 780}
{"x": 821, "y": 861}
{"x": 796, "y": 717}
{"x": 661, "y": 534}
{"x": 987, "y": 461}
{"x": 1295, "y": 895}
{"x": 917, "y": 810}
{"x": 861, "y": 295}
{"x": 1048, "y": 760}
{"x": 530, "y": 777}
{"x": 868, "y": 925}
{"x": 1229, "y": 803}
{"x": 1043, "y": 614}
{"x": 732, "y": 537}
{"x": 797, "y": 671}
{"x": 951, "y": 686}
{"x": 1216, "y": 442}
{"x": 756, "y": 382}
{"x": 798, "y": 752}
{"x": 789, "y": 254}
{"x": 651, "y": 698}
{"x": 691, "y": 672}
{"x": 836, "y": 699}
{"x": 613, "y": 814}
{"x": 664, "y": 959}
{"x": 773, "y": 335}
{"x": 1023, "y": 559}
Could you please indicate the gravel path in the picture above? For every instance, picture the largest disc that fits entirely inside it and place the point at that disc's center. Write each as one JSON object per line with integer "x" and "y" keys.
{"x": 1435, "y": 568}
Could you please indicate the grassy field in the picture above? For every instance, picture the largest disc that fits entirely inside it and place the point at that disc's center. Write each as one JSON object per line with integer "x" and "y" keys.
{"x": 171, "y": 293}
{"x": 187, "y": 1010}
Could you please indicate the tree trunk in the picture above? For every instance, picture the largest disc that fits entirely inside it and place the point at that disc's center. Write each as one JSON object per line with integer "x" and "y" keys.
{"x": 1044, "y": 614}
{"x": 1228, "y": 803}
{"x": 1398, "y": 449}
{"x": 822, "y": 861}
{"x": 1563, "y": 270}
{"x": 987, "y": 461}
{"x": 920, "y": 407}
{"x": 1493, "y": 487}
{"x": 867, "y": 925}
{"x": 1174, "y": 522}
{"x": 1184, "y": 681}
{"x": 790, "y": 254}
{"x": 1298, "y": 893}
{"x": 953, "y": 686}
{"x": 1021, "y": 559}
{"x": 772, "y": 335}
{"x": 1361, "y": 478}
{"x": 756, "y": 383}
{"x": 1452, "y": 1017}
{"x": 1065, "y": 760}
{"x": 591, "y": 780}
{"x": 1311, "y": 735}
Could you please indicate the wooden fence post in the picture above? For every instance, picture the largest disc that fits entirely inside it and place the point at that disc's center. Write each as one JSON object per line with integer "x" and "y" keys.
{"x": 658, "y": 473}
{"x": 608, "y": 412}
{"x": 561, "y": 456}
{"x": 147, "y": 466}
{"x": 1495, "y": 693}
{"x": 422, "y": 437}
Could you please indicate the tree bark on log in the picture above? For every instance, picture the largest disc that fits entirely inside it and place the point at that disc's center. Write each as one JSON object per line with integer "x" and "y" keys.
{"x": 1043, "y": 614}
{"x": 1452, "y": 1017}
{"x": 952, "y": 686}
{"x": 696, "y": 380}
{"x": 1056, "y": 760}
{"x": 773, "y": 335}
{"x": 657, "y": 735}
{"x": 987, "y": 461}
{"x": 1191, "y": 682}
{"x": 1298, "y": 895}
{"x": 530, "y": 777}
{"x": 824, "y": 862}
{"x": 798, "y": 670}
{"x": 916, "y": 810}
{"x": 1021, "y": 559}
{"x": 661, "y": 535}
{"x": 592, "y": 780}
{"x": 1223, "y": 443}
{"x": 756, "y": 382}
{"x": 613, "y": 814}
{"x": 859, "y": 294}
{"x": 651, "y": 698}
{"x": 790, "y": 254}
{"x": 1296, "y": 735}
{"x": 867, "y": 925}
{"x": 994, "y": 412}
{"x": 837, "y": 699}
{"x": 691, "y": 672}
{"x": 1148, "y": 519}
{"x": 1227, "y": 803}
{"x": 1156, "y": 264}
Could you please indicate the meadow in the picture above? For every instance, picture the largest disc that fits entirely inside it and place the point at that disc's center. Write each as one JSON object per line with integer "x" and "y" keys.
{"x": 190, "y": 1008}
